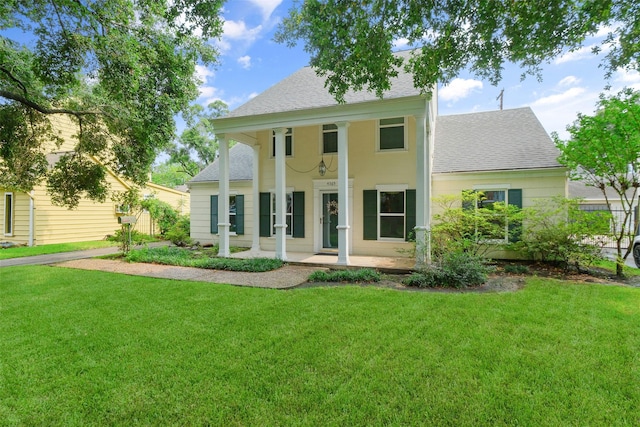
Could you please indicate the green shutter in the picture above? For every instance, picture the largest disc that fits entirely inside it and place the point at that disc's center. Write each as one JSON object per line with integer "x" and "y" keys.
{"x": 410, "y": 214}
{"x": 298, "y": 214}
{"x": 265, "y": 214}
{"x": 240, "y": 214}
{"x": 214, "y": 214}
{"x": 370, "y": 214}
{"x": 515, "y": 227}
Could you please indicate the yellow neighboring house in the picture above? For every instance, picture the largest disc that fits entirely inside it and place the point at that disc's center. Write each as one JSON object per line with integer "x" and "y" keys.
{"x": 32, "y": 219}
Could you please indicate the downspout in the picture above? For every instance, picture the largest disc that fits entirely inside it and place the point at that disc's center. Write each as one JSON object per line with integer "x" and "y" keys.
{"x": 32, "y": 208}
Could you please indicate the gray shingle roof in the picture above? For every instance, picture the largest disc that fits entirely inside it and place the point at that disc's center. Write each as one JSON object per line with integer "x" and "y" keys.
{"x": 304, "y": 90}
{"x": 494, "y": 140}
{"x": 240, "y": 166}
{"x": 581, "y": 190}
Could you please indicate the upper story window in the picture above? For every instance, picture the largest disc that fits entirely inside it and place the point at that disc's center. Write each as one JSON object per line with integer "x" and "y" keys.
{"x": 288, "y": 142}
{"x": 391, "y": 134}
{"x": 329, "y": 139}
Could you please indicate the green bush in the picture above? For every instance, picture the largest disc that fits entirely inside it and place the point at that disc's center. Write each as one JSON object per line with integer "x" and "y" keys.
{"x": 363, "y": 275}
{"x": 188, "y": 258}
{"x": 161, "y": 212}
{"x": 179, "y": 233}
{"x": 451, "y": 270}
{"x": 516, "y": 269}
{"x": 557, "y": 230}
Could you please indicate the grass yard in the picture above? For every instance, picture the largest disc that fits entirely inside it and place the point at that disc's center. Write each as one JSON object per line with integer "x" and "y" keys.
{"x": 23, "y": 251}
{"x": 89, "y": 348}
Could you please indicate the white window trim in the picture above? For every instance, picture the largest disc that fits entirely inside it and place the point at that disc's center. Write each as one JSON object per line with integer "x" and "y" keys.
{"x": 10, "y": 214}
{"x": 272, "y": 192}
{"x": 272, "y": 153}
{"x": 322, "y": 132}
{"x": 391, "y": 188}
{"x": 405, "y": 136}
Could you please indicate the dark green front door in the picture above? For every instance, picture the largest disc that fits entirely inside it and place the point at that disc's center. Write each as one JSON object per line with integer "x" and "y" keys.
{"x": 329, "y": 220}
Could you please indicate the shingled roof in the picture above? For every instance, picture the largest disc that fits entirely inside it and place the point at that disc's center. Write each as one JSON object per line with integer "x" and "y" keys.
{"x": 494, "y": 140}
{"x": 304, "y": 90}
{"x": 240, "y": 166}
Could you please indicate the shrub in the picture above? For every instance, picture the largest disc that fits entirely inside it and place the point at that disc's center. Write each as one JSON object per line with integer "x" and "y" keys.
{"x": 516, "y": 269}
{"x": 179, "y": 232}
{"x": 161, "y": 212}
{"x": 451, "y": 270}
{"x": 557, "y": 230}
{"x": 363, "y": 275}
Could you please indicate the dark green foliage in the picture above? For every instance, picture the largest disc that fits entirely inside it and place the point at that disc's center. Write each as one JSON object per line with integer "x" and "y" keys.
{"x": 161, "y": 212}
{"x": 452, "y": 270}
{"x": 516, "y": 269}
{"x": 351, "y": 43}
{"x": 189, "y": 258}
{"x": 137, "y": 238}
{"x": 363, "y": 275}
{"x": 178, "y": 234}
{"x": 120, "y": 70}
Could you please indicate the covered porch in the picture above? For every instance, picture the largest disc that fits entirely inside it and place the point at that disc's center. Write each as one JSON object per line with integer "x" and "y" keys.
{"x": 396, "y": 265}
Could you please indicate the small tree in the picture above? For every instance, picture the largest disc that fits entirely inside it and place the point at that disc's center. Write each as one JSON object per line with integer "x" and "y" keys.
{"x": 604, "y": 152}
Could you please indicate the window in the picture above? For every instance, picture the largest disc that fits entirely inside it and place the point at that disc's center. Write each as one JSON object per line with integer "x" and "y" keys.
{"x": 288, "y": 214}
{"x": 294, "y": 214}
{"x": 495, "y": 222}
{"x": 236, "y": 214}
{"x": 391, "y": 135}
{"x": 329, "y": 139}
{"x": 288, "y": 142}
{"x": 391, "y": 214}
{"x": 8, "y": 214}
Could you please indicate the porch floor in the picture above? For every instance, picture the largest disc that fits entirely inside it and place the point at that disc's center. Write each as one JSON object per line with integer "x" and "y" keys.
{"x": 329, "y": 260}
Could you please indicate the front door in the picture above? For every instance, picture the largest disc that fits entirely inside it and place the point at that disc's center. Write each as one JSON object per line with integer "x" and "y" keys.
{"x": 329, "y": 221}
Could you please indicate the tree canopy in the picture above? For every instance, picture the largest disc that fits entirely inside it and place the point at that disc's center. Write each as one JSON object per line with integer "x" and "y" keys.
{"x": 351, "y": 43}
{"x": 604, "y": 152}
{"x": 120, "y": 69}
{"x": 197, "y": 146}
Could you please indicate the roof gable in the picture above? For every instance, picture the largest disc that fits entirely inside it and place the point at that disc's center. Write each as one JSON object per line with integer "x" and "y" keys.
{"x": 494, "y": 140}
{"x": 240, "y": 166}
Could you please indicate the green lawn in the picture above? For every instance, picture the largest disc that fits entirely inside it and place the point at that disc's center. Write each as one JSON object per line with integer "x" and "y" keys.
{"x": 23, "y": 251}
{"x": 91, "y": 348}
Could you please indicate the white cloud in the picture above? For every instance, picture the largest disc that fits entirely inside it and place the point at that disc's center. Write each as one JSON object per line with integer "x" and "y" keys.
{"x": 253, "y": 95}
{"x": 561, "y": 109}
{"x": 208, "y": 92}
{"x": 459, "y": 89}
{"x": 237, "y": 30}
{"x": 401, "y": 44}
{"x": 576, "y": 55}
{"x": 569, "y": 81}
{"x": 203, "y": 73}
{"x": 245, "y": 62}
{"x": 628, "y": 78}
{"x": 266, "y": 6}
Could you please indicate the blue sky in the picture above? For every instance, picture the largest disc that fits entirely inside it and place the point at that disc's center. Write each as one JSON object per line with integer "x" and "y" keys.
{"x": 251, "y": 62}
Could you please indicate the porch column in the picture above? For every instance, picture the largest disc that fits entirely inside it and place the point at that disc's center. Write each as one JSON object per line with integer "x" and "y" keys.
{"x": 343, "y": 193}
{"x": 281, "y": 195}
{"x": 423, "y": 193}
{"x": 255, "y": 245}
{"x": 223, "y": 197}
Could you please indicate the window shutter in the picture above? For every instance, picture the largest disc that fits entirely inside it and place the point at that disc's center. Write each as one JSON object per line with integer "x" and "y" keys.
{"x": 265, "y": 214}
{"x": 298, "y": 214}
{"x": 410, "y": 214}
{"x": 240, "y": 214}
{"x": 370, "y": 214}
{"x": 515, "y": 227}
{"x": 214, "y": 214}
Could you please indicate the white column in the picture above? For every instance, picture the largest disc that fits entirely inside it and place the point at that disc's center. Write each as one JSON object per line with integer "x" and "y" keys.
{"x": 223, "y": 197}
{"x": 281, "y": 196}
{"x": 255, "y": 245}
{"x": 343, "y": 193}
{"x": 423, "y": 193}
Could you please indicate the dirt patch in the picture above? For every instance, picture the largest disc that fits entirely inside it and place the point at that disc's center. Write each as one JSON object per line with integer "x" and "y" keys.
{"x": 505, "y": 277}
